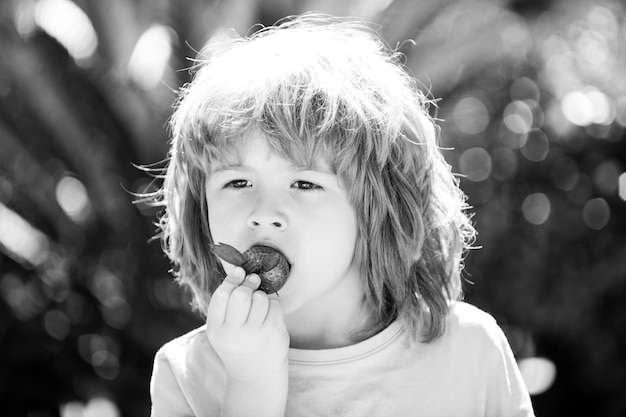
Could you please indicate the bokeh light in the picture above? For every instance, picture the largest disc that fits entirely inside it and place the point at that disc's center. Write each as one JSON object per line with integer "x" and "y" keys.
{"x": 72, "y": 409}
{"x": 475, "y": 164}
{"x": 72, "y": 196}
{"x": 578, "y": 108}
{"x": 24, "y": 298}
{"x": 606, "y": 176}
{"x": 21, "y": 239}
{"x": 535, "y": 145}
{"x": 622, "y": 186}
{"x": 65, "y": 21}
{"x": 471, "y": 115}
{"x": 102, "y": 353}
{"x": 538, "y": 373}
{"x": 524, "y": 88}
{"x": 536, "y": 208}
{"x": 57, "y": 324}
{"x": 101, "y": 407}
{"x": 518, "y": 117}
{"x": 96, "y": 407}
{"x": 596, "y": 213}
{"x": 151, "y": 55}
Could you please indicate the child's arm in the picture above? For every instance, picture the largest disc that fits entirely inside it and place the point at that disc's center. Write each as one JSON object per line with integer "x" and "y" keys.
{"x": 246, "y": 329}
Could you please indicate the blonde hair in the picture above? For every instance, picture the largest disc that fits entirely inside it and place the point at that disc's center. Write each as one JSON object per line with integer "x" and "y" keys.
{"x": 320, "y": 85}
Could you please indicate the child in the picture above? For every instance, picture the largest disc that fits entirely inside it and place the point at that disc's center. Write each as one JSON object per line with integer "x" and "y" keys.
{"x": 310, "y": 138}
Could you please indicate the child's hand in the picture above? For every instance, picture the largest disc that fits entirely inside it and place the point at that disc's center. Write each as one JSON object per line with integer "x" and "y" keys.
{"x": 247, "y": 330}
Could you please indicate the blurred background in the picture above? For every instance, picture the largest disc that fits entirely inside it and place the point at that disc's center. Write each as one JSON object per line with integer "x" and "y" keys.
{"x": 532, "y": 102}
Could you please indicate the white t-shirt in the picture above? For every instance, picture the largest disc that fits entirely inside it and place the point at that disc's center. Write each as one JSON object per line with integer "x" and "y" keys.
{"x": 470, "y": 371}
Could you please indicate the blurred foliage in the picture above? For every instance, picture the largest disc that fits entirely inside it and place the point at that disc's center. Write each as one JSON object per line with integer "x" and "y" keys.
{"x": 532, "y": 104}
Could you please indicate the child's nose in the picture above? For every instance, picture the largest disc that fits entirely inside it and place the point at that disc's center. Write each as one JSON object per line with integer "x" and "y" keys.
{"x": 267, "y": 215}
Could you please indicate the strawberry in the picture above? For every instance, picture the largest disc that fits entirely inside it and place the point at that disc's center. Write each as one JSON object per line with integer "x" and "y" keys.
{"x": 271, "y": 265}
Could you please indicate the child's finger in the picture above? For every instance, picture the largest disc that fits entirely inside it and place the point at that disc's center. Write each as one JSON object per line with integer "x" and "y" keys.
{"x": 252, "y": 281}
{"x": 239, "y": 305}
{"x": 258, "y": 309}
{"x": 216, "y": 313}
{"x": 236, "y": 277}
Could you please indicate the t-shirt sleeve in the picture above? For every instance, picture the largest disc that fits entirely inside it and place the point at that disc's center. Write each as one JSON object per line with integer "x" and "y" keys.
{"x": 509, "y": 396}
{"x": 165, "y": 392}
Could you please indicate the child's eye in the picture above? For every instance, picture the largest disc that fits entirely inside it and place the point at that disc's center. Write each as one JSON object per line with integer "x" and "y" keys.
{"x": 238, "y": 184}
{"x": 306, "y": 185}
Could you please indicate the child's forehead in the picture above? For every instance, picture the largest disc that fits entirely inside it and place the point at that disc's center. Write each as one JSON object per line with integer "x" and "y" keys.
{"x": 236, "y": 151}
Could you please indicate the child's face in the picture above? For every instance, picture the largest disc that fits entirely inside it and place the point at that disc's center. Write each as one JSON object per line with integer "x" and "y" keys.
{"x": 261, "y": 198}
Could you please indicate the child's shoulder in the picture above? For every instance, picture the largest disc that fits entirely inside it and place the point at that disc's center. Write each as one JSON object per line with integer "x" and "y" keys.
{"x": 470, "y": 322}
{"x": 184, "y": 348}
{"x": 470, "y": 315}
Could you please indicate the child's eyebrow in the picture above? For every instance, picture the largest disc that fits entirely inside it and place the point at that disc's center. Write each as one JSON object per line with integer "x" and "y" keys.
{"x": 222, "y": 166}
{"x": 228, "y": 166}
{"x": 318, "y": 169}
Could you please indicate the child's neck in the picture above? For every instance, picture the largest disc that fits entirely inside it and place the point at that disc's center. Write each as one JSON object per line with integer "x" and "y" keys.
{"x": 329, "y": 335}
{"x": 331, "y": 323}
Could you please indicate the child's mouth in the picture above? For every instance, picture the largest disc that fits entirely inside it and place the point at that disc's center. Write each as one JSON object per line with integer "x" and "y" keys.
{"x": 269, "y": 263}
